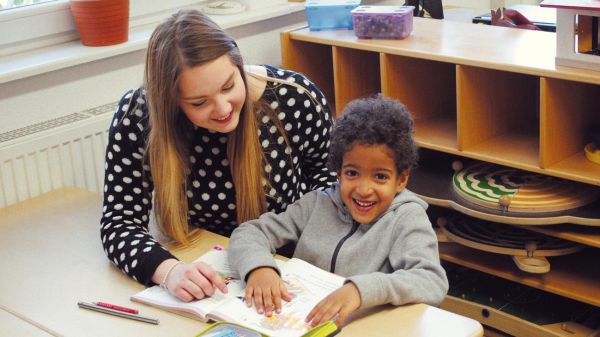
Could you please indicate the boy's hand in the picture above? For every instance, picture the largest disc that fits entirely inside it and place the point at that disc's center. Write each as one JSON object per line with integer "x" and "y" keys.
{"x": 267, "y": 289}
{"x": 341, "y": 302}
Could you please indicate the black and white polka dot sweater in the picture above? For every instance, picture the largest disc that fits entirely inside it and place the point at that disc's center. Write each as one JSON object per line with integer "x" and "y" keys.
{"x": 211, "y": 193}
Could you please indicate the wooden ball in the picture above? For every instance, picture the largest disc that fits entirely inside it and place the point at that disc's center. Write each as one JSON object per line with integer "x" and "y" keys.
{"x": 442, "y": 221}
{"x": 504, "y": 201}
{"x": 457, "y": 165}
{"x": 530, "y": 247}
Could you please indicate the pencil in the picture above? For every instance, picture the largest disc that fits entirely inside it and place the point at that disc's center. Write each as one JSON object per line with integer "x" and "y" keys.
{"x": 91, "y": 306}
{"x": 116, "y": 307}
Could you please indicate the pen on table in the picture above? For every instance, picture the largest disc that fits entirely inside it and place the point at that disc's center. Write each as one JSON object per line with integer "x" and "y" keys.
{"x": 116, "y": 307}
{"x": 91, "y": 306}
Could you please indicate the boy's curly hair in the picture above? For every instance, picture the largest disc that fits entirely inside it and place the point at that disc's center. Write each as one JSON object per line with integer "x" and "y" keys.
{"x": 374, "y": 121}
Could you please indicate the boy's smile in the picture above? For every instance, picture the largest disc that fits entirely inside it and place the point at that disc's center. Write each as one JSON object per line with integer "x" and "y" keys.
{"x": 369, "y": 181}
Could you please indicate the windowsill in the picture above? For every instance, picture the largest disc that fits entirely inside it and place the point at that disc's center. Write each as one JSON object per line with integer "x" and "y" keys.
{"x": 38, "y": 61}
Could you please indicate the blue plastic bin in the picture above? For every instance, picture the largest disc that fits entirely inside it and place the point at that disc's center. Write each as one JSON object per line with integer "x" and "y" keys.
{"x": 330, "y": 14}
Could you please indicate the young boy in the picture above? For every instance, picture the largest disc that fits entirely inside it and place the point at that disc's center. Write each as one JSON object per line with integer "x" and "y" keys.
{"x": 367, "y": 227}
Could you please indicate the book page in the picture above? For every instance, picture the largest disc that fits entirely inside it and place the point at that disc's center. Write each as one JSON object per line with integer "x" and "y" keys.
{"x": 307, "y": 284}
{"x": 216, "y": 258}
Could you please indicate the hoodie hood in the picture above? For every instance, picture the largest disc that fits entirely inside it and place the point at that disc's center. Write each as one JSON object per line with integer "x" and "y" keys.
{"x": 400, "y": 199}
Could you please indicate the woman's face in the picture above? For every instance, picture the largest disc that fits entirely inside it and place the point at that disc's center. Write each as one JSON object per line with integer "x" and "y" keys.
{"x": 212, "y": 94}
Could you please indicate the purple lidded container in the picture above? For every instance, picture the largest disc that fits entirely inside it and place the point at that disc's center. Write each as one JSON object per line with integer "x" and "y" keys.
{"x": 382, "y": 22}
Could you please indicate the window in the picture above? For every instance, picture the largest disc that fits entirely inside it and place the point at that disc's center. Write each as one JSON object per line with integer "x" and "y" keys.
{"x": 8, "y": 4}
{"x": 48, "y": 22}
{"x": 40, "y": 23}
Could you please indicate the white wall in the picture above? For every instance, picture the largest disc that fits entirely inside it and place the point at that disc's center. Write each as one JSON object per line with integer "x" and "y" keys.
{"x": 487, "y": 4}
{"x": 50, "y": 95}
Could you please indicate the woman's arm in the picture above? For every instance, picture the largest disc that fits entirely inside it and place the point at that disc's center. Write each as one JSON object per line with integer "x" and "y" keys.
{"x": 128, "y": 194}
{"x": 316, "y": 117}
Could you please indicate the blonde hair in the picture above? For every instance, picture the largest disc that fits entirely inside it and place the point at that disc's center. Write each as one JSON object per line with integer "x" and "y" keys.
{"x": 188, "y": 39}
{"x": 185, "y": 40}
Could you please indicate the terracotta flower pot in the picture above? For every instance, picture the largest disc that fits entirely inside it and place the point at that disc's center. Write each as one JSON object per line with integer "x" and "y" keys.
{"x": 101, "y": 22}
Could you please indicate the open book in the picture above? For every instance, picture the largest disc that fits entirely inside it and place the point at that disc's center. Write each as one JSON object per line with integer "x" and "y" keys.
{"x": 307, "y": 284}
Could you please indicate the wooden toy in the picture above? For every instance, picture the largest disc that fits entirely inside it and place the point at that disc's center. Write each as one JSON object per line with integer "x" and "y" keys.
{"x": 577, "y": 23}
{"x": 543, "y": 200}
{"x": 592, "y": 149}
{"x": 513, "y": 190}
{"x": 592, "y": 152}
{"x": 528, "y": 249}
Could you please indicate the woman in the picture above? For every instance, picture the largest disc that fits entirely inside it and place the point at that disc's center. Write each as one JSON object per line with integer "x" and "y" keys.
{"x": 217, "y": 143}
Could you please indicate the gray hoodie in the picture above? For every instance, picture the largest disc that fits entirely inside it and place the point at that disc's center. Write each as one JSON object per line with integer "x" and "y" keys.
{"x": 392, "y": 260}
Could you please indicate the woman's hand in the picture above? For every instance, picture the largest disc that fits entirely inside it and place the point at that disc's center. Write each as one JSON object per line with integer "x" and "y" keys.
{"x": 267, "y": 289}
{"x": 341, "y": 302}
{"x": 194, "y": 281}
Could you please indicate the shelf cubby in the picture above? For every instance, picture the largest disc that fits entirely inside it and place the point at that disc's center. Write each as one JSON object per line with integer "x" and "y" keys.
{"x": 568, "y": 111}
{"x": 498, "y": 116}
{"x": 356, "y": 74}
{"x": 300, "y": 56}
{"x": 430, "y": 99}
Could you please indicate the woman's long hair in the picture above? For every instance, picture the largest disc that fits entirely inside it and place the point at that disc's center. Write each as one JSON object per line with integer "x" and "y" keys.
{"x": 188, "y": 39}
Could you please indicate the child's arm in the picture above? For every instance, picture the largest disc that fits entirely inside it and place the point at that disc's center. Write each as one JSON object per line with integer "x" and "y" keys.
{"x": 251, "y": 247}
{"x": 266, "y": 289}
{"x": 253, "y": 243}
{"x": 340, "y": 303}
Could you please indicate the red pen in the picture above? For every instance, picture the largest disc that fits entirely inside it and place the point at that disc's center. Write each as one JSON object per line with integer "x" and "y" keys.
{"x": 116, "y": 307}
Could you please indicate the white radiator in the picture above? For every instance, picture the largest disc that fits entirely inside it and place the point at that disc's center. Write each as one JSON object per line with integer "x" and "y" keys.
{"x": 63, "y": 152}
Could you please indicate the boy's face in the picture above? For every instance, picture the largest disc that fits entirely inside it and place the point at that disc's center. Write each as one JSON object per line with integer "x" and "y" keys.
{"x": 369, "y": 181}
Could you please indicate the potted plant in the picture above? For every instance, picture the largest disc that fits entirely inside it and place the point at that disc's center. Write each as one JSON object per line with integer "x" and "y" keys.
{"x": 101, "y": 22}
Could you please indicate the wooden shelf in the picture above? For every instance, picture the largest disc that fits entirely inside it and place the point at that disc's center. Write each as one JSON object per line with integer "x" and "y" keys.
{"x": 515, "y": 148}
{"x": 515, "y": 326}
{"x": 300, "y": 56}
{"x": 576, "y": 167}
{"x": 493, "y": 104}
{"x": 519, "y": 51}
{"x": 586, "y": 235}
{"x": 567, "y": 278}
{"x": 567, "y": 111}
{"x": 431, "y": 100}
{"x": 504, "y": 102}
{"x": 436, "y": 133}
{"x": 356, "y": 74}
{"x": 488, "y": 93}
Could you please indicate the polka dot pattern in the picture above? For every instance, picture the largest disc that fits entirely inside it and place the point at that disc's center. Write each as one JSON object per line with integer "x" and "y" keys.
{"x": 292, "y": 167}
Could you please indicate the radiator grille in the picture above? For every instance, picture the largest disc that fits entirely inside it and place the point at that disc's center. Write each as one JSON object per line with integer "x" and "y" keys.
{"x": 62, "y": 152}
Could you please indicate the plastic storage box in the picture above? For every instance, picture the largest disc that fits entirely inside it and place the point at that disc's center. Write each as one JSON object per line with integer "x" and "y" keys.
{"x": 330, "y": 14}
{"x": 383, "y": 22}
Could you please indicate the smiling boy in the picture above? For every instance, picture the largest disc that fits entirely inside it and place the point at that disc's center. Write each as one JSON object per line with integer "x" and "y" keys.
{"x": 367, "y": 227}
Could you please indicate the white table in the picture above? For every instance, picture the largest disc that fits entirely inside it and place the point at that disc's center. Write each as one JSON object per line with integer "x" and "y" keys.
{"x": 53, "y": 258}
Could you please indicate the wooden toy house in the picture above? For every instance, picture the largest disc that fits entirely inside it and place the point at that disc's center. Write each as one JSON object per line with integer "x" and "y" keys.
{"x": 577, "y": 23}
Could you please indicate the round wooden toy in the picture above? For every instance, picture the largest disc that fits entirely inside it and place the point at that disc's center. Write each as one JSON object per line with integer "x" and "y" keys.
{"x": 513, "y": 190}
{"x": 592, "y": 153}
{"x": 528, "y": 249}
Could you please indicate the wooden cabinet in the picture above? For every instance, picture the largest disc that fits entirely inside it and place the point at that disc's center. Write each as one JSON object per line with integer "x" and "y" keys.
{"x": 478, "y": 92}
